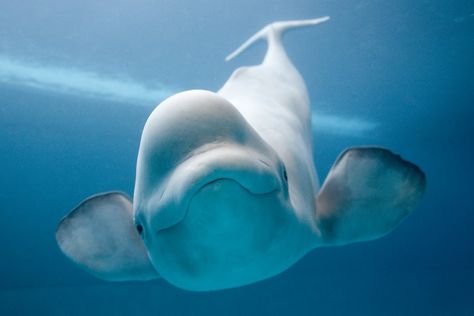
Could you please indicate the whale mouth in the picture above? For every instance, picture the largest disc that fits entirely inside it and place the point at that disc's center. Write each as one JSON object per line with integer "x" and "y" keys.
{"x": 218, "y": 190}
{"x": 226, "y": 231}
{"x": 253, "y": 172}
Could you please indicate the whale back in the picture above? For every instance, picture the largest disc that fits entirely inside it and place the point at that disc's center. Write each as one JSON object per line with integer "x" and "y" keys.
{"x": 273, "y": 98}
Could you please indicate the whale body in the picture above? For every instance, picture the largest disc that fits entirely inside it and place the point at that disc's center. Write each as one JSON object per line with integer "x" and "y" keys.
{"x": 226, "y": 190}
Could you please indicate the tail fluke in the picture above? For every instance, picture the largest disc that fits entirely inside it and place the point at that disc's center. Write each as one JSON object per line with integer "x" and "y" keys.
{"x": 273, "y": 32}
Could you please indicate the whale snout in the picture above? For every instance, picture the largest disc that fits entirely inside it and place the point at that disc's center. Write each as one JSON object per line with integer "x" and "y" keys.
{"x": 247, "y": 168}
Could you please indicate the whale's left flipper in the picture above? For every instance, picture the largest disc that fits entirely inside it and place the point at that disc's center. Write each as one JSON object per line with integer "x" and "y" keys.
{"x": 99, "y": 236}
{"x": 366, "y": 194}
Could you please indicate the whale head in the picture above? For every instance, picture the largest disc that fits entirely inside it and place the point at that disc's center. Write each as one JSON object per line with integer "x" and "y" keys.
{"x": 211, "y": 196}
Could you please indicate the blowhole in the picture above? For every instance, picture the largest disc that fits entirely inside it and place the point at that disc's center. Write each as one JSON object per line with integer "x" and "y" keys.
{"x": 139, "y": 229}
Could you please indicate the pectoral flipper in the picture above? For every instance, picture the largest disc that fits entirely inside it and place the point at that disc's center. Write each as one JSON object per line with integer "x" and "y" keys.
{"x": 99, "y": 235}
{"x": 366, "y": 194}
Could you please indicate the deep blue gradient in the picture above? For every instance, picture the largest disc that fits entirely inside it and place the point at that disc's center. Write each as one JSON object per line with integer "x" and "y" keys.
{"x": 404, "y": 66}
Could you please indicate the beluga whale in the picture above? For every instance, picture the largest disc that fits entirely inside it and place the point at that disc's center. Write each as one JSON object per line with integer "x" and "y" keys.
{"x": 226, "y": 191}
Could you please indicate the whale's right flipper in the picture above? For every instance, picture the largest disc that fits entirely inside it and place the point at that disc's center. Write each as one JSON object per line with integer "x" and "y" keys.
{"x": 366, "y": 194}
{"x": 99, "y": 235}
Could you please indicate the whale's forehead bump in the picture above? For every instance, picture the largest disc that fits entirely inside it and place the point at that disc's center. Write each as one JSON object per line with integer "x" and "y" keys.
{"x": 187, "y": 123}
{"x": 194, "y": 110}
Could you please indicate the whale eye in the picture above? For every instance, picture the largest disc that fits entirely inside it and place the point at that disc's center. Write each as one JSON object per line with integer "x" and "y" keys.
{"x": 139, "y": 229}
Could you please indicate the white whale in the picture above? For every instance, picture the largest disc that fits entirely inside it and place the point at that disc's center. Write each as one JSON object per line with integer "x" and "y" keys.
{"x": 226, "y": 191}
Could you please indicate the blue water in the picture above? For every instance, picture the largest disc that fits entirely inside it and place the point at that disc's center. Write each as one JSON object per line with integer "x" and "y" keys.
{"x": 399, "y": 74}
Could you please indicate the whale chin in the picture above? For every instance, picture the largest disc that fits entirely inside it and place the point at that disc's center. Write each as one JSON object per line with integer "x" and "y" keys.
{"x": 229, "y": 237}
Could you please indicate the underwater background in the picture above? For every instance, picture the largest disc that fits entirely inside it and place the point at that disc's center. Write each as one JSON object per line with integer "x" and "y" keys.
{"x": 78, "y": 80}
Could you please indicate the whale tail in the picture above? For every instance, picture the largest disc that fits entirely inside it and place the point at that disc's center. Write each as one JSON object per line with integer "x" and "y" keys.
{"x": 272, "y": 34}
